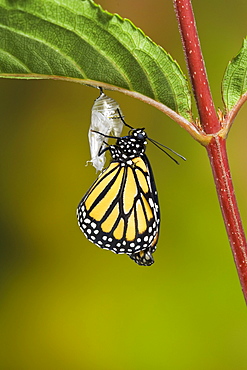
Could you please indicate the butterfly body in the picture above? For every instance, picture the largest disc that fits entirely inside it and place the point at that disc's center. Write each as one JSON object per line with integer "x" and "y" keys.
{"x": 120, "y": 211}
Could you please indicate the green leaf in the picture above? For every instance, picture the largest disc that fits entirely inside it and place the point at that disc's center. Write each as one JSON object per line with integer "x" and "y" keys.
{"x": 76, "y": 39}
{"x": 234, "y": 84}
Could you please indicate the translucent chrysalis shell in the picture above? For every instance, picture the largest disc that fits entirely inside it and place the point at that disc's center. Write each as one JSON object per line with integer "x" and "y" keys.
{"x": 106, "y": 119}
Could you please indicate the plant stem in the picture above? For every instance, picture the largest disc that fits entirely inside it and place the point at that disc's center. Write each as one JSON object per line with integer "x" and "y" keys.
{"x": 222, "y": 176}
{"x": 217, "y": 146}
{"x": 196, "y": 66}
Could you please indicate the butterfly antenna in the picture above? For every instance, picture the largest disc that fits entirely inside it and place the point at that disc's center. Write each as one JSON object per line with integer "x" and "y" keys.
{"x": 122, "y": 119}
{"x": 159, "y": 145}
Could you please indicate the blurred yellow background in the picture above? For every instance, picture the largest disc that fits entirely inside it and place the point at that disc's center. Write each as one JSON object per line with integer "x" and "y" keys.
{"x": 68, "y": 305}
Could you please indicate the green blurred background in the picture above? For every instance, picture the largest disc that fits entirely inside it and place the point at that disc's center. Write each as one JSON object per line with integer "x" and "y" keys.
{"x": 66, "y": 304}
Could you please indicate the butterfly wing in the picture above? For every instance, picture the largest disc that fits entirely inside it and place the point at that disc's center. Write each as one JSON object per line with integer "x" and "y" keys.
{"x": 120, "y": 211}
{"x": 144, "y": 257}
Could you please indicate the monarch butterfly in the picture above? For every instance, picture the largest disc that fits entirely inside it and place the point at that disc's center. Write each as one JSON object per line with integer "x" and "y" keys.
{"x": 105, "y": 118}
{"x": 120, "y": 212}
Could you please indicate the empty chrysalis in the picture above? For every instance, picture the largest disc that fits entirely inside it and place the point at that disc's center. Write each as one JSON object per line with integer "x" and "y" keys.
{"x": 106, "y": 119}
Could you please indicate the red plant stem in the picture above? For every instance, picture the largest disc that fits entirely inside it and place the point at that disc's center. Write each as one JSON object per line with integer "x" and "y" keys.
{"x": 217, "y": 147}
{"x": 222, "y": 176}
{"x": 196, "y": 67}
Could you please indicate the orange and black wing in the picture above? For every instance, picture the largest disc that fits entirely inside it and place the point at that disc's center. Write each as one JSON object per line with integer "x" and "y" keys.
{"x": 120, "y": 211}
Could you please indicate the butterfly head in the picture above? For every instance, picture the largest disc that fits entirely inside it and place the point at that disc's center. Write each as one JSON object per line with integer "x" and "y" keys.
{"x": 132, "y": 145}
{"x": 139, "y": 134}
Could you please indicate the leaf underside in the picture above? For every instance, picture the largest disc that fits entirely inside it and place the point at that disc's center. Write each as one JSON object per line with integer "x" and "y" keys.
{"x": 79, "y": 41}
{"x": 234, "y": 84}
